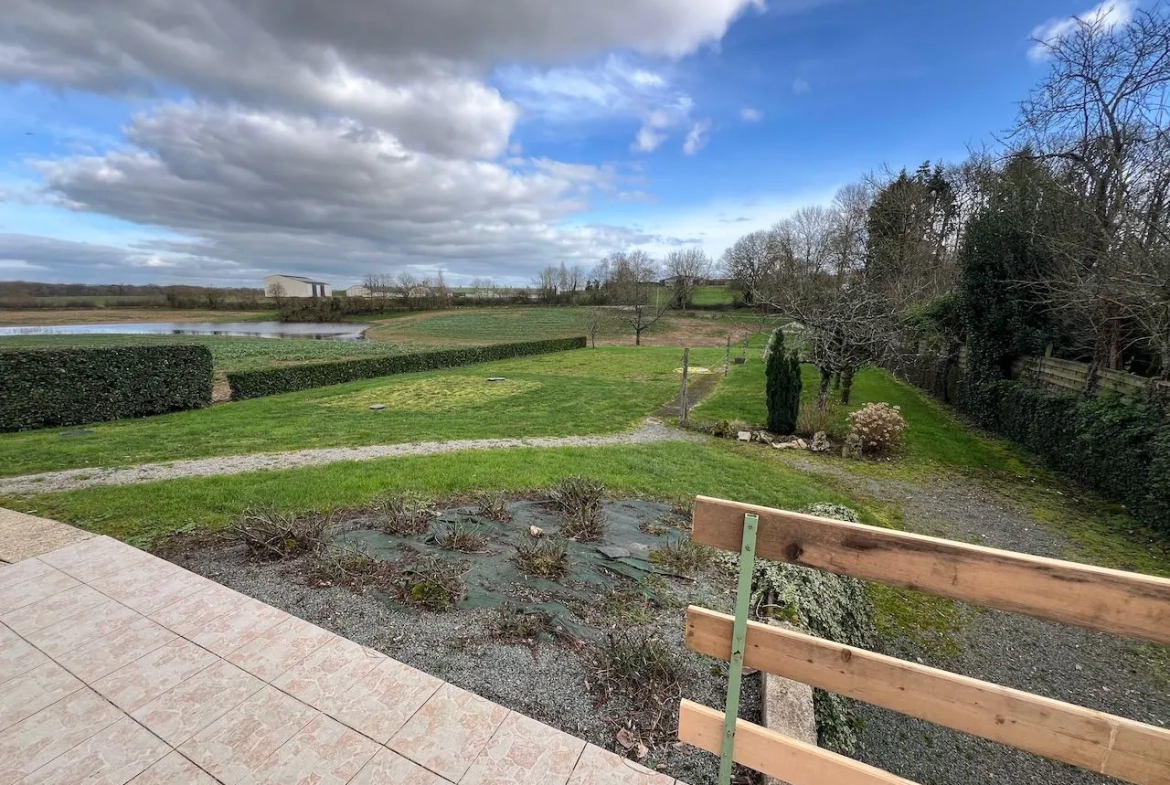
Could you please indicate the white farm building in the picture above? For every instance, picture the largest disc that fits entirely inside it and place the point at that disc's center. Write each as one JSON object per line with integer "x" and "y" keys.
{"x": 295, "y": 286}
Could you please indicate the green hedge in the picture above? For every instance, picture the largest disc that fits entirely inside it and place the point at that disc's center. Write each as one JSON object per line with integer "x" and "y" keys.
{"x": 273, "y": 381}
{"x": 1119, "y": 448}
{"x": 41, "y": 388}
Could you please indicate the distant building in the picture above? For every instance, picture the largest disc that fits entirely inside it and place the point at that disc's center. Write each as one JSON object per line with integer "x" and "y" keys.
{"x": 295, "y": 286}
{"x": 358, "y": 291}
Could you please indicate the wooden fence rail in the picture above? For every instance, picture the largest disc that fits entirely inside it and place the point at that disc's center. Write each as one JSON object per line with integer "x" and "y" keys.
{"x": 1093, "y": 597}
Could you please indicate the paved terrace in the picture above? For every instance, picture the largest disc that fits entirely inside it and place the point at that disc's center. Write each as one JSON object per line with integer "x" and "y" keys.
{"x": 118, "y": 667}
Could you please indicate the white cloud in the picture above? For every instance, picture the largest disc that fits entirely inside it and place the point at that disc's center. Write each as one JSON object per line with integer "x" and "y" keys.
{"x": 751, "y": 115}
{"x": 800, "y": 86}
{"x": 1109, "y": 14}
{"x": 697, "y": 137}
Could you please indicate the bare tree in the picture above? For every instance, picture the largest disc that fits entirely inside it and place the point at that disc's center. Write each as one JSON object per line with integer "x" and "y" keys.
{"x": 596, "y": 320}
{"x": 1102, "y": 120}
{"x": 633, "y": 285}
{"x": 686, "y": 268}
{"x": 748, "y": 263}
{"x": 278, "y": 293}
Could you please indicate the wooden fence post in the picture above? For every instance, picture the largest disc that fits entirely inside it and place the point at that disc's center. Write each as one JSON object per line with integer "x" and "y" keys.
{"x": 727, "y": 357}
{"x": 682, "y": 399}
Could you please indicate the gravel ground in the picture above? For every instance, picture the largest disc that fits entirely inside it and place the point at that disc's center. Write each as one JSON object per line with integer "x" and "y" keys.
{"x": 550, "y": 681}
{"x": 1099, "y": 671}
{"x": 652, "y": 430}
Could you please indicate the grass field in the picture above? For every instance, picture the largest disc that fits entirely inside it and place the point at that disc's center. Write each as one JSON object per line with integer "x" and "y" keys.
{"x": 568, "y": 393}
{"x": 713, "y": 295}
{"x": 228, "y": 353}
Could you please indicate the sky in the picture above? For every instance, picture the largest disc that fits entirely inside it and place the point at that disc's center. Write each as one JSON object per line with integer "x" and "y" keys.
{"x": 214, "y": 142}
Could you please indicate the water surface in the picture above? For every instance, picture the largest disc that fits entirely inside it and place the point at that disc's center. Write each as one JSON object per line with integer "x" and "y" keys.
{"x": 325, "y": 332}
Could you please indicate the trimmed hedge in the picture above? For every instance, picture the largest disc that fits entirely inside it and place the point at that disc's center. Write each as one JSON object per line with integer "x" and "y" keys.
{"x": 273, "y": 381}
{"x": 41, "y": 388}
{"x": 1120, "y": 449}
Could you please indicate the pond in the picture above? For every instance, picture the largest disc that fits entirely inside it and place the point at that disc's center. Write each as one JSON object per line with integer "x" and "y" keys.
{"x": 325, "y": 332}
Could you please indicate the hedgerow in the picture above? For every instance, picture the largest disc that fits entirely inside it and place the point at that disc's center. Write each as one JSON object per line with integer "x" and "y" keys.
{"x": 273, "y": 381}
{"x": 46, "y": 387}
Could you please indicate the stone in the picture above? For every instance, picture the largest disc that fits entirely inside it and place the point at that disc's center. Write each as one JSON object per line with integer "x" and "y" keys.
{"x": 766, "y": 437}
{"x": 744, "y": 436}
{"x": 788, "y": 706}
{"x": 801, "y": 444}
{"x": 820, "y": 442}
{"x": 536, "y": 531}
{"x": 613, "y": 552}
{"x": 378, "y": 406}
{"x": 852, "y": 446}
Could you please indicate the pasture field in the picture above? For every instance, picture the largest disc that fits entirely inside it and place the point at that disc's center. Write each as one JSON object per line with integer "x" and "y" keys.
{"x": 35, "y": 316}
{"x": 228, "y": 353}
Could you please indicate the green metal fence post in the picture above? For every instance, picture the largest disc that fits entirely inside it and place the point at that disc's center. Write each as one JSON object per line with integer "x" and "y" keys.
{"x": 743, "y": 598}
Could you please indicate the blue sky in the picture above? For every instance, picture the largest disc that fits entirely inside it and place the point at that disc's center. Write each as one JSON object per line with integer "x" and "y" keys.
{"x": 335, "y": 149}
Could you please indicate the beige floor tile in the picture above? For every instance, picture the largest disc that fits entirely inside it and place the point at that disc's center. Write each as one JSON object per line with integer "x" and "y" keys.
{"x": 97, "y": 558}
{"x": 273, "y": 652}
{"x": 323, "y": 677}
{"x": 52, "y": 610}
{"x": 381, "y": 703}
{"x": 35, "y": 589}
{"x": 112, "y": 757}
{"x": 191, "y": 614}
{"x": 238, "y": 742}
{"x": 35, "y": 741}
{"x": 325, "y": 752}
{"x": 149, "y": 586}
{"x": 109, "y": 652}
{"x": 23, "y": 571}
{"x": 229, "y": 631}
{"x": 17, "y": 656}
{"x": 183, "y": 711}
{"x": 601, "y": 767}
{"x": 150, "y": 676}
{"x": 390, "y": 768}
{"x": 525, "y": 751}
{"x": 25, "y": 695}
{"x": 174, "y": 769}
{"x": 82, "y": 627}
{"x": 449, "y": 732}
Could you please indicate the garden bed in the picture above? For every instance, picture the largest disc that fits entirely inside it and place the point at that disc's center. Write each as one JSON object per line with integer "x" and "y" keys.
{"x": 598, "y": 652}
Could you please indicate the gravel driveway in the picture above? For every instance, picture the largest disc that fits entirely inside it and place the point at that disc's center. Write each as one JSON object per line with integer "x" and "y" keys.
{"x": 652, "y": 430}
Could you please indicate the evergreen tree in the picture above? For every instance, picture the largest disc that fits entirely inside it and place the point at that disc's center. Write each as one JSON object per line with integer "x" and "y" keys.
{"x": 783, "y": 385}
{"x": 1003, "y": 257}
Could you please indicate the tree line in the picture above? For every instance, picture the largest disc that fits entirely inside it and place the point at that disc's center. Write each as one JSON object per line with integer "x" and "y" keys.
{"x": 1060, "y": 240}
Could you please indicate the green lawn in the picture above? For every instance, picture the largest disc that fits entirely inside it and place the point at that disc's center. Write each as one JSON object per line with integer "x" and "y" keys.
{"x": 713, "y": 295}
{"x": 488, "y": 325}
{"x": 935, "y": 436}
{"x": 228, "y": 353}
{"x": 669, "y": 470}
{"x": 585, "y": 391}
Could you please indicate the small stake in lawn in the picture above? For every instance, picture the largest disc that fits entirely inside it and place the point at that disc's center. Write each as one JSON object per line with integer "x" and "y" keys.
{"x": 682, "y": 398}
{"x": 743, "y": 595}
{"x": 727, "y": 357}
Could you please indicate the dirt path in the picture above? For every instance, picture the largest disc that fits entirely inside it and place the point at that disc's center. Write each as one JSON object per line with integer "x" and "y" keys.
{"x": 652, "y": 430}
{"x": 1099, "y": 671}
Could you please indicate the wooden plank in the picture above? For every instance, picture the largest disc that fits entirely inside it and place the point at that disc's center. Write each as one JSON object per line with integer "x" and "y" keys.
{"x": 1103, "y": 743}
{"x": 1124, "y": 603}
{"x": 775, "y": 754}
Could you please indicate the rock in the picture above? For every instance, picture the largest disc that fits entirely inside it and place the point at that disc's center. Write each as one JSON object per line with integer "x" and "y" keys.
{"x": 766, "y": 437}
{"x": 788, "y": 707}
{"x": 536, "y": 531}
{"x": 744, "y": 436}
{"x": 613, "y": 552}
{"x": 378, "y": 406}
{"x": 783, "y": 445}
{"x": 852, "y": 447}
{"x": 801, "y": 444}
{"x": 820, "y": 442}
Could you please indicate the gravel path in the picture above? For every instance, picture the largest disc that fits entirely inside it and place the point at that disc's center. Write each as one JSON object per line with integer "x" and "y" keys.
{"x": 1099, "y": 671}
{"x": 652, "y": 430}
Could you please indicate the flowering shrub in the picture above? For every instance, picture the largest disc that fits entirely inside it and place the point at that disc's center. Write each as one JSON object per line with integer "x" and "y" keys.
{"x": 879, "y": 426}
